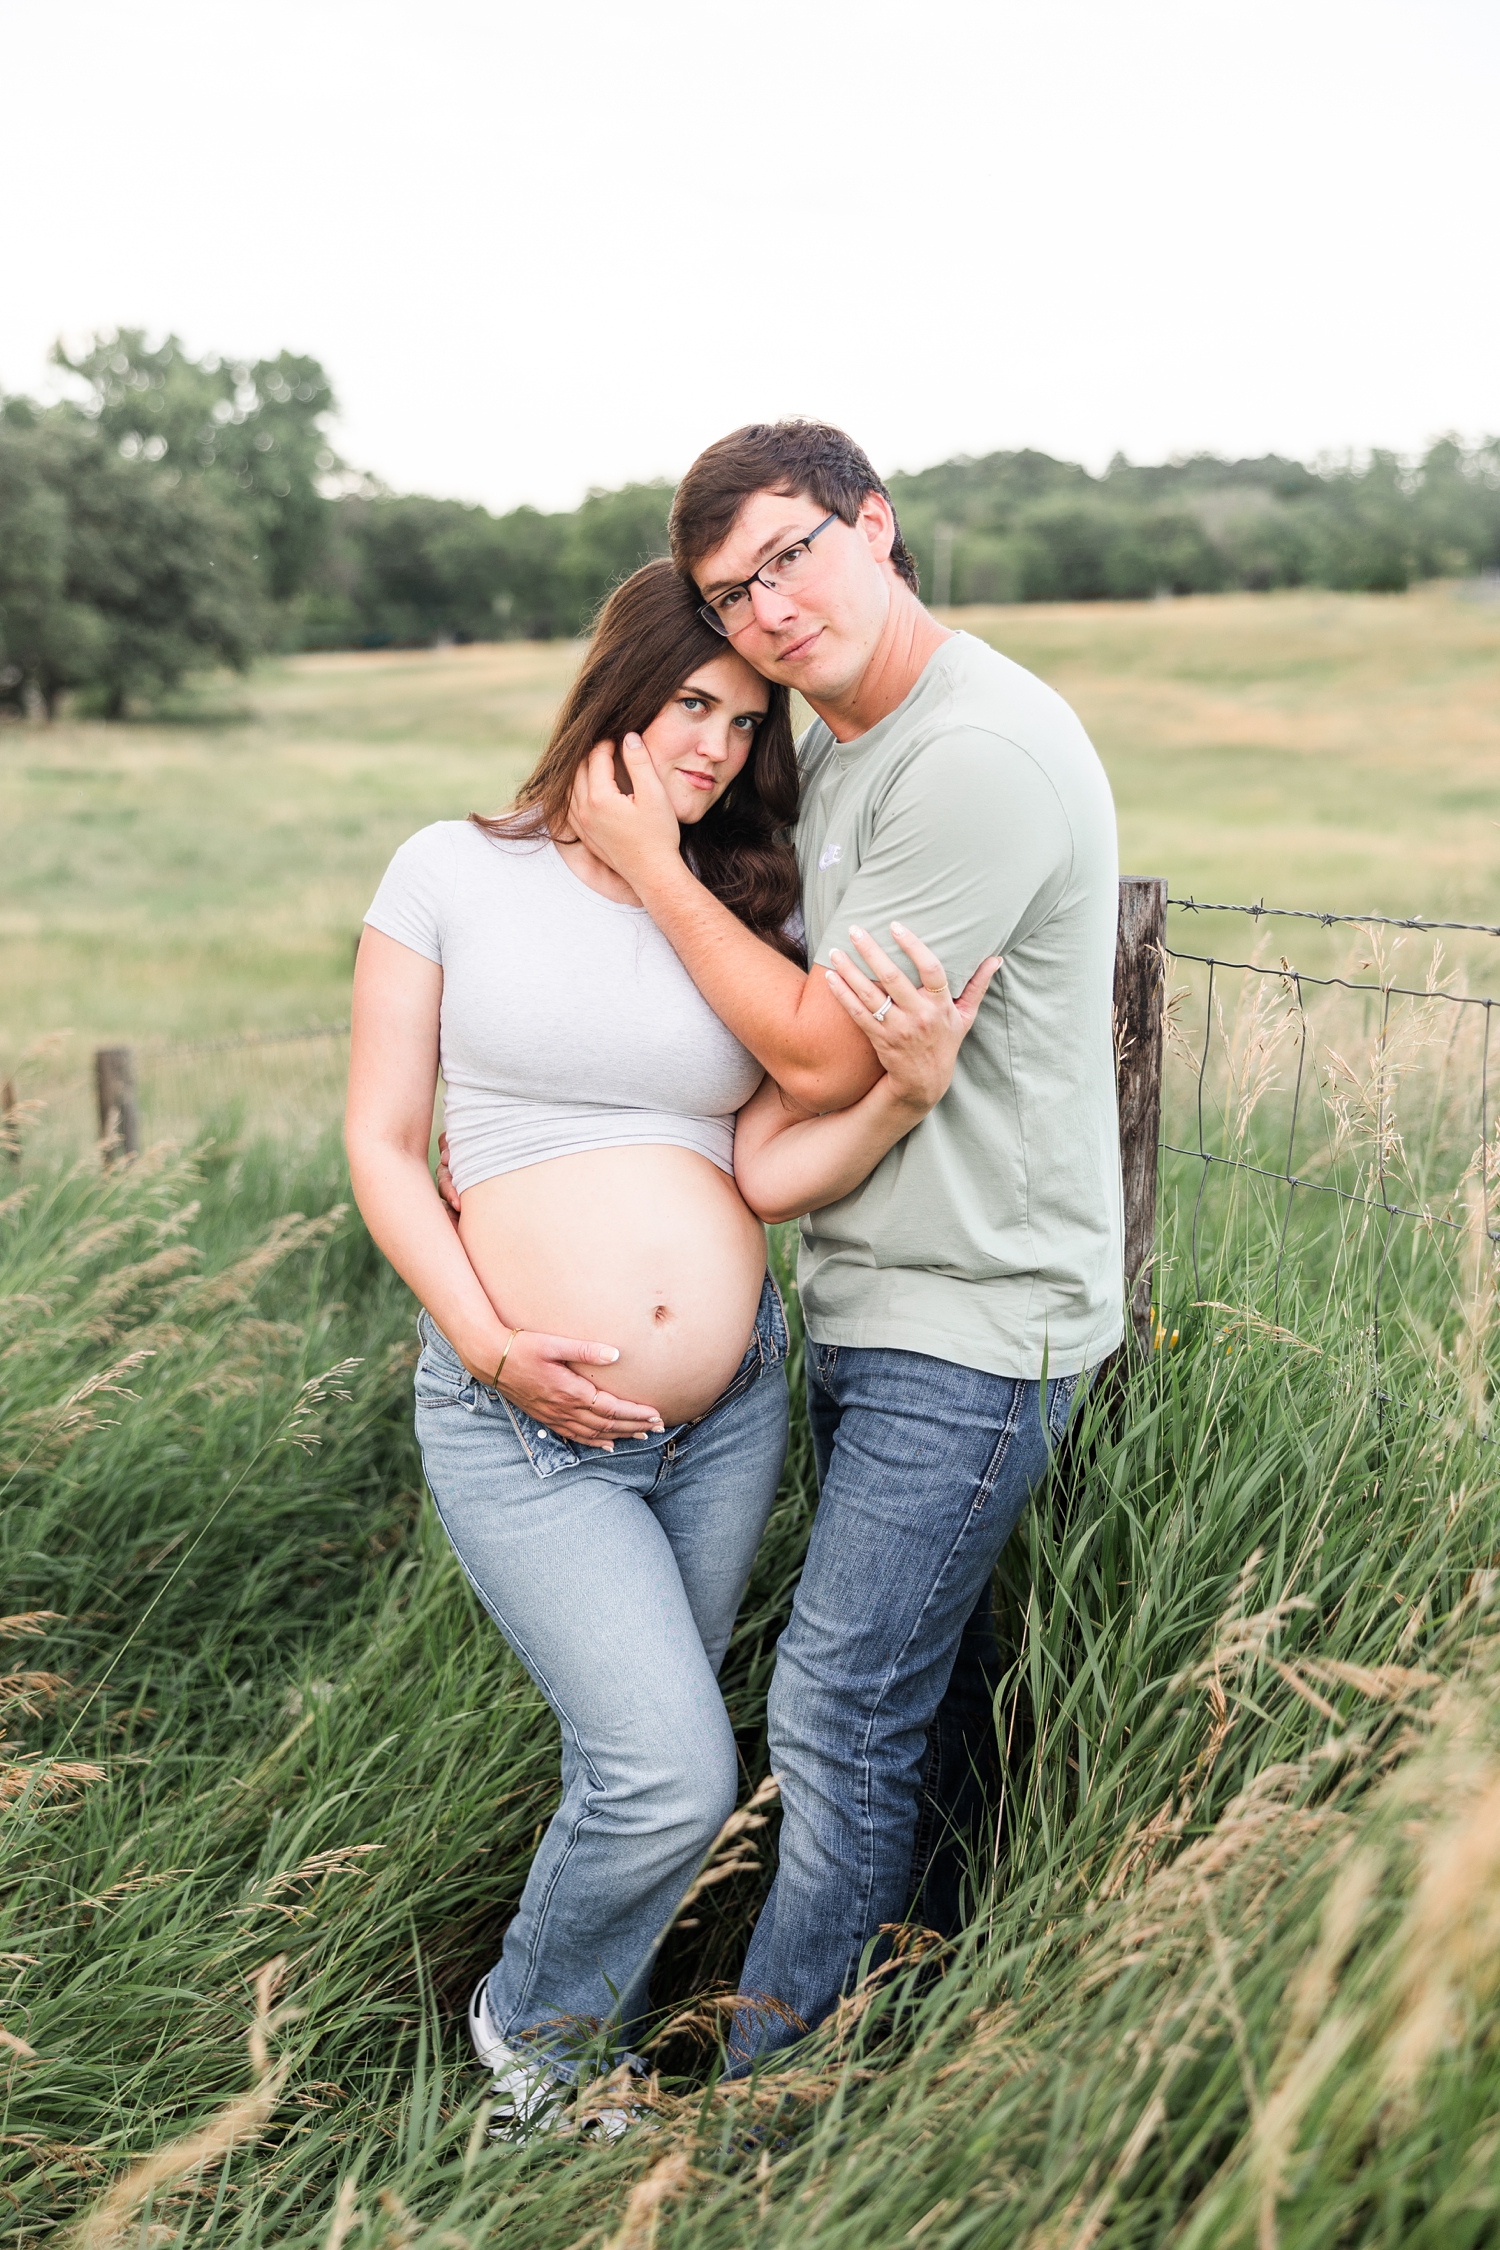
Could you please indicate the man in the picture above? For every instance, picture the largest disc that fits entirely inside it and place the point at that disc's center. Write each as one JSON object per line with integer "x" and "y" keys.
{"x": 954, "y": 1300}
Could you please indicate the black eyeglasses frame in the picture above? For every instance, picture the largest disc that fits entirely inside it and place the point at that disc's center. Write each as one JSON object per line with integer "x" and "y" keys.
{"x": 710, "y": 615}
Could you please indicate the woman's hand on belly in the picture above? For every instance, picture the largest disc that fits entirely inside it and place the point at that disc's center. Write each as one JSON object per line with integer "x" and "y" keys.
{"x": 652, "y": 1247}
{"x": 547, "y": 1377}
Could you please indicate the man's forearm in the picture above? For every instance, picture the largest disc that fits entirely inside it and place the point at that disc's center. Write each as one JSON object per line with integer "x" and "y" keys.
{"x": 817, "y": 1055}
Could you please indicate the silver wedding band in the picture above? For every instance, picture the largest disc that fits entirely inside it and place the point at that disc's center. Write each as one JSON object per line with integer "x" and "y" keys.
{"x": 881, "y": 1013}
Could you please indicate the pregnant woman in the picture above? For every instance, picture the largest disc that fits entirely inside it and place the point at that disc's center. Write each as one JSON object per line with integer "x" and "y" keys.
{"x": 608, "y": 1524}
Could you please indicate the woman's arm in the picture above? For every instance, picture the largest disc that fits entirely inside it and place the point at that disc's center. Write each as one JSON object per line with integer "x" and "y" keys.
{"x": 787, "y": 1163}
{"x": 393, "y": 1062}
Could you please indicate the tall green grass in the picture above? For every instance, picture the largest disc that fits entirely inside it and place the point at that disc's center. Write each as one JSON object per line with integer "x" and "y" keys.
{"x": 273, "y": 1782}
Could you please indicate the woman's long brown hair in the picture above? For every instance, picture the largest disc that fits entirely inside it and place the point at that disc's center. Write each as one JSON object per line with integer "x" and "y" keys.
{"x": 648, "y": 639}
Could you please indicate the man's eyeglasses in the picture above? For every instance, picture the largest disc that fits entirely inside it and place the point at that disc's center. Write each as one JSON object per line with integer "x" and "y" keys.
{"x": 731, "y": 609}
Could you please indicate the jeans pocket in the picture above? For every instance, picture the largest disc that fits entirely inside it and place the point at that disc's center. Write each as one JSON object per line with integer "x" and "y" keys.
{"x": 776, "y": 1332}
{"x": 1020, "y": 1392}
{"x": 545, "y": 1450}
{"x": 1060, "y": 1406}
{"x": 441, "y": 1377}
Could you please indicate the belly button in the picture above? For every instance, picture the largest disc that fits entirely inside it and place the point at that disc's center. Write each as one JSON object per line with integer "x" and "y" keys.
{"x": 661, "y": 1313}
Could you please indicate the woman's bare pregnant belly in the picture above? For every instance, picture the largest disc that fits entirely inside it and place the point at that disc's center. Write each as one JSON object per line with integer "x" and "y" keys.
{"x": 652, "y": 1250}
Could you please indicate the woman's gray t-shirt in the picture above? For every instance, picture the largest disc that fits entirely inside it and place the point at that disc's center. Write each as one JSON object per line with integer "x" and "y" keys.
{"x": 568, "y": 1023}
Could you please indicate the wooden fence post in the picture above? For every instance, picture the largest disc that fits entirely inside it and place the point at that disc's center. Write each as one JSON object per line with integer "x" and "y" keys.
{"x": 1139, "y": 961}
{"x": 10, "y": 1127}
{"x": 119, "y": 1121}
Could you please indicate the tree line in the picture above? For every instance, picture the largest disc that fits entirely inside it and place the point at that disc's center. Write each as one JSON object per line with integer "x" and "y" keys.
{"x": 181, "y": 512}
{"x": 1022, "y": 527}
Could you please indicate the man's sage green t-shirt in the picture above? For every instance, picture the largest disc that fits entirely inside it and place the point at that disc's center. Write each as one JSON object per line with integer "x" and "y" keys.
{"x": 978, "y": 813}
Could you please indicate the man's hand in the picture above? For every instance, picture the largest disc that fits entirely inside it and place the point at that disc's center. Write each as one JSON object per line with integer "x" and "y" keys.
{"x": 539, "y": 1379}
{"x": 920, "y": 1027}
{"x": 452, "y": 1200}
{"x": 627, "y": 833}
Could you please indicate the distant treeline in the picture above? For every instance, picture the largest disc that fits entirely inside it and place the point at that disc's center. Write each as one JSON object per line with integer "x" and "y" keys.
{"x": 185, "y": 512}
{"x": 1013, "y": 527}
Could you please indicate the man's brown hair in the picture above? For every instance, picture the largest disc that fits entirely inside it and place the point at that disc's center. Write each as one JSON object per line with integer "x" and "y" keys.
{"x": 795, "y": 457}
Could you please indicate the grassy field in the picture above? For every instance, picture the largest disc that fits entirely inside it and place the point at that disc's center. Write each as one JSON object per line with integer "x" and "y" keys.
{"x": 270, "y": 1782}
{"x": 1315, "y": 749}
{"x": 209, "y": 875}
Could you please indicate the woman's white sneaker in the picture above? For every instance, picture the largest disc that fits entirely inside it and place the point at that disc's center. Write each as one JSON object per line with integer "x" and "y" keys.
{"x": 528, "y": 2096}
{"x": 609, "y": 2123}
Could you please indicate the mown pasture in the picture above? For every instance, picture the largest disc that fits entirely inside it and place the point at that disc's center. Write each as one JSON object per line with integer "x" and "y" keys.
{"x": 271, "y": 1782}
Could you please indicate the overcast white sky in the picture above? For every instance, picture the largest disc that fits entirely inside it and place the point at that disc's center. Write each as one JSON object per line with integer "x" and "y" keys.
{"x": 545, "y": 246}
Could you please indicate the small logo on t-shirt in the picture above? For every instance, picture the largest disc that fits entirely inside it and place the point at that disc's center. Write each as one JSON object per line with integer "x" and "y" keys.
{"x": 830, "y": 855}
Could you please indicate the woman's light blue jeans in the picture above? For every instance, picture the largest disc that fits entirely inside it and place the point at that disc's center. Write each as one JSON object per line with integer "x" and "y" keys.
{"x": 615, "y": 1577}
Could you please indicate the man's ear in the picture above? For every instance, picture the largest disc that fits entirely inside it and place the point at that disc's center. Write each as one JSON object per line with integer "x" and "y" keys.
{"x": 877, "y": 521}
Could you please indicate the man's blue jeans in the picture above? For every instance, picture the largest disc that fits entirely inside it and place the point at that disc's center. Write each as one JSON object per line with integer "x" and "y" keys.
{"x": 924, "y": 1470}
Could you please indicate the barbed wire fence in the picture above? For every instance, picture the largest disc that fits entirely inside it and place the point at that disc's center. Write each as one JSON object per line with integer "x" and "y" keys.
{"x": 1259, "y": 912}
{"x": 1356, "y": 1091}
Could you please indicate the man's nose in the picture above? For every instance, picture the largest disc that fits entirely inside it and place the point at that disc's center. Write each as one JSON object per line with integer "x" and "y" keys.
{"x": 771, "y": 606}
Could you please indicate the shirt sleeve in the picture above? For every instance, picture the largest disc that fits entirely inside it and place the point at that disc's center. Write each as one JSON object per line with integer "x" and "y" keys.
{"x": 971, "y": 850}
{"x": 414, "y": 890}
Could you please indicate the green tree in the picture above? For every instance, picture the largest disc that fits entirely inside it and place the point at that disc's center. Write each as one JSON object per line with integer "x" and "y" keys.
{"x": 410, "y": 570}
{"x": 1261, "y": 539}
{"x": 983, "y": 567}
{"x": 1162, "y": 549}
{"x": 1456, "y": 505}
{"x": 978, "y": 504}
{"x": 116, "y": 576}
{"x": 610, "y": 536}
{"x": 1364, "y": 530}
{"x": 535, "y": 601}
{"x": 253, "y": 429}
{"x": 46, "y": 638}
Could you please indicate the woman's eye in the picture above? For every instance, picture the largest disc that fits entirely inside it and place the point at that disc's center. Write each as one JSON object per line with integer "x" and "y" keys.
{"x": 691, "y": 702}
{"x": 748, "y": 724}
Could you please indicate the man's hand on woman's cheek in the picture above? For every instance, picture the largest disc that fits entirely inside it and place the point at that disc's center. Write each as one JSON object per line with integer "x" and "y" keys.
{"x": 625, "y": 832}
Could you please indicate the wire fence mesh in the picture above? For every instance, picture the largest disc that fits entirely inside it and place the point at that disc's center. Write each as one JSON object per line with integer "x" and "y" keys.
{"x": 1329, "y": 1143}
{"x": 287, "y": 1085}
